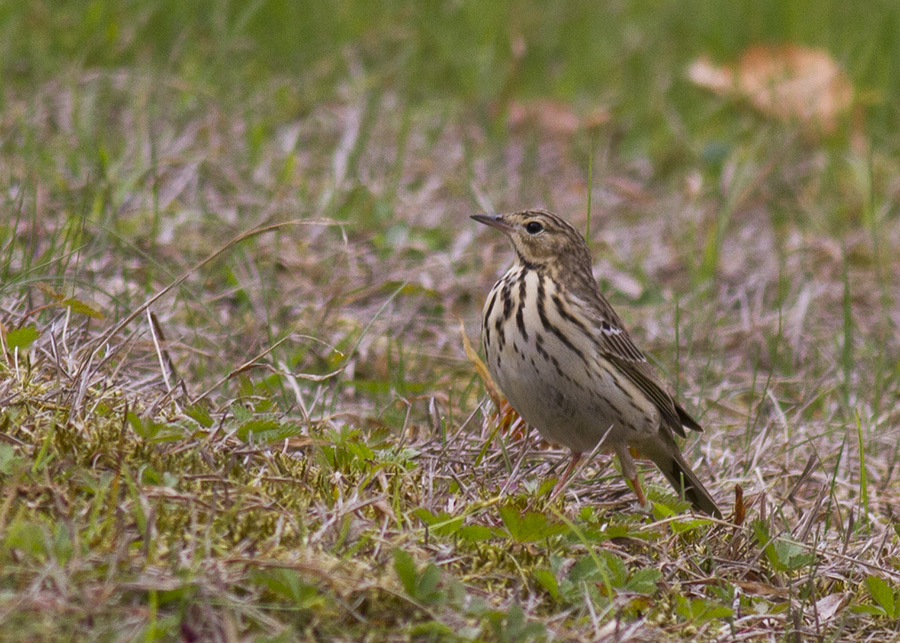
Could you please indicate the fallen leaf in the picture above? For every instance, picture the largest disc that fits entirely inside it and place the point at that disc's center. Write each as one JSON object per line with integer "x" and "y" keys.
{"x": 553, "y": 117}
{"x": 489, "y": 385}
{"x": 830, "y": 605}
{"x": 508, "y": 419}
{"x": 788, "y": 82}
{"x": 761, "y": 589}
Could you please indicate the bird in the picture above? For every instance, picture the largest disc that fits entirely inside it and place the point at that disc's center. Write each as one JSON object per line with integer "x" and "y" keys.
{"x": 561, "y": 355}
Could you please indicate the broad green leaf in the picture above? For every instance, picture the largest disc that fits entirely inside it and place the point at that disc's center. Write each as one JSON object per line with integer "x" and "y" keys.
{"x": 82, "y": 308}
{"x": 530, "y": 526}
{"x": 287, "y": 584}
{"x": 792, "y": 555}
{"x": 154, "y": 431}
{"x": 688, "y": 524}
{"x": 200, "y": 415}
{"x": 432, "y": 631}
{"x": 618, "y": 572}
{"x": 442, "y": 524}
{"x": 253, "y": 427}
{"x": 643, "y": 581}
{"x": 761, "y": 532}
{"x": 428, "y": 582}
{"x": 10, "y": 460}
{"x": 405, "y": 568}
{"x": 701, "y": 609}
{"x": 584, "y": 570}
{"x": 26, "y": 536}
{"x": 547, "y": 580}
{"x": 475, "y": 533}
{"x": 883, "y": 595}
{"x": 21, "y": 338}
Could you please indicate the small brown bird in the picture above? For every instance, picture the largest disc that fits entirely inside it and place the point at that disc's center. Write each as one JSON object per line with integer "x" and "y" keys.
{"x": 565, "y": 362}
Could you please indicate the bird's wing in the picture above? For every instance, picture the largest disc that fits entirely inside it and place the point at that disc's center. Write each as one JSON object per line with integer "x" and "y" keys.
{"x": 641, "y": 374}
{"x": 617, "y": 346}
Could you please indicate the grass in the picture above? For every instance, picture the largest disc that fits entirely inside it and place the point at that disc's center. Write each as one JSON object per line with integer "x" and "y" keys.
{"x": 234, "y": 253}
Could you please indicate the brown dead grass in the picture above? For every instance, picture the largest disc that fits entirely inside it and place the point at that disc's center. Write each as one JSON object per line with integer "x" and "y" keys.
{"x": 786, "y": 330}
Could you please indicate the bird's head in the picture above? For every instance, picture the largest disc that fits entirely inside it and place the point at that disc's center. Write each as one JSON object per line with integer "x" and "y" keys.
{"x": 541, "y": 239}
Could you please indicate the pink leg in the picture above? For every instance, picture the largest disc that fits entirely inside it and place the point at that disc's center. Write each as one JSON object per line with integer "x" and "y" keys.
{"x": 576, "y": 458}
{"x": 629, "y": 472}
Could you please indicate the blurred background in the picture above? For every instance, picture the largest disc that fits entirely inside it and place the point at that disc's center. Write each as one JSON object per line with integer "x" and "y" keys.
{"x": 735, "y": 167}
{"x": 737, "y": 159}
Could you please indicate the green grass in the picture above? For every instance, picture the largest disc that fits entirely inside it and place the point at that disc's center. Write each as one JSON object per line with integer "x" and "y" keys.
{"x": 234, "y": 250}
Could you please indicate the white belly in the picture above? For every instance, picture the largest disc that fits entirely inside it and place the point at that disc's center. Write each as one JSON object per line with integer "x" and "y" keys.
{"x": 568, "y": 395}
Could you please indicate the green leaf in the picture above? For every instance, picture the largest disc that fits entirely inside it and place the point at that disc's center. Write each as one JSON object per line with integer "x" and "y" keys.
{"x": 475, "y": 533}
{"x": 717, "y": 612}
{"x": 514, "y": 627}
{"x": 546, "y": 488}
{"x": 421, "y": 587}
{"x": 10, "y": 460}
{"x": 406, "y": 570}
{"x": 150, "y": 476}
{"x": 701, "y": 609}
{"x": 618, "y": 572}
{"x": 547, "y": 580}
{"x": 82, "y": 308}
{"x": 21, "y": 338}
{"x": 883, "y": 595}
{"x": 138, "y": 426}
{"x": 643, "y": 581}
{"x": 529, "y": 527}
{"x": 432, "y": 631}
{"x": 26, "y": 536}
{"x": 154, "y": 431}
{"x": 667, "y": 506}
{"x": 688, "y": 524}
{"x": 603, "y": 574}
{"x": 583, "y": 570}
{"x": 792, "y": 555}
{"x": 783, "y": 554}
{"x": 253, "y": 428}
{"x": 287, "y": 584}
{"x": 515, "y": 618}
{"x": 761, "y": 532}
{"x": 428, "y": 582}
{"x": 442, "y": 524}
{"x": 605, "y": 567}
{"x": 200, "y": 415}
{"x": 662, "y": 511}
{"x": 360, "y": 450}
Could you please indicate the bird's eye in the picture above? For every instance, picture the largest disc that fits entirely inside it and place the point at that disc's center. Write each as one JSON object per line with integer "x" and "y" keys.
{"x": 533, "y": 227}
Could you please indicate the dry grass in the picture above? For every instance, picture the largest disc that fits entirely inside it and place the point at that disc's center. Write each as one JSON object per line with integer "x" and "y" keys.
{"x": 300, "y": 448}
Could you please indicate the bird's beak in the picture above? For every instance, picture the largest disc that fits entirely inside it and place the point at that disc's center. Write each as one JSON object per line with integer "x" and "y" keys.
{"x": 495, "y": 221}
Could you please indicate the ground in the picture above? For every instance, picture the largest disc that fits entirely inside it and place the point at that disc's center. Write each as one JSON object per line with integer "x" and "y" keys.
{"x": 237, "y": 279}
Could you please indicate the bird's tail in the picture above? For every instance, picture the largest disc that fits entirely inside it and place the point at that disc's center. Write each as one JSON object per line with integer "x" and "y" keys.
{"x": 684, "y": 481}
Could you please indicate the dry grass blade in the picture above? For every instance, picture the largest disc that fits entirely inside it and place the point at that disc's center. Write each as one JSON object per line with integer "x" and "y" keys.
{"x": 483, "y": 374}
{"x": 340, "y": 476}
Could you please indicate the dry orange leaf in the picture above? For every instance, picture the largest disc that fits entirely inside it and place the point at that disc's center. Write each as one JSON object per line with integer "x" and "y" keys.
{"x": 554, "y": 117}
{"x": 788, "y": 82}
{"x": 761, "y": 589}
{"x": 489, "y": 385}
{"x": 507, "y": 418}
{"x": 740, "y": 509}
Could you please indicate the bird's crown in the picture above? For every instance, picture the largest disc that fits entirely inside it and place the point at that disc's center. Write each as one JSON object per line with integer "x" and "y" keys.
{"x": 541, "y": 239}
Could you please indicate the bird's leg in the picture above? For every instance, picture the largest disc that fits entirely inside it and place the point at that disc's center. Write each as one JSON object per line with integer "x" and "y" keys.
{"x": 629, "y": 471}
{"x": 576, "y": 457}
